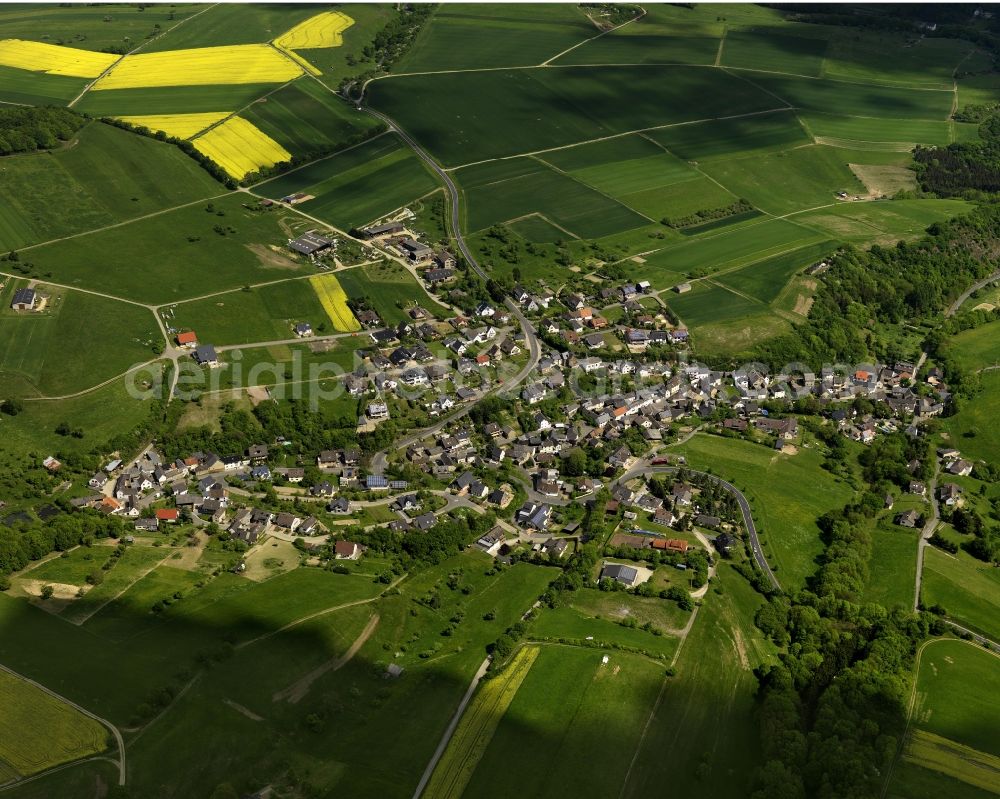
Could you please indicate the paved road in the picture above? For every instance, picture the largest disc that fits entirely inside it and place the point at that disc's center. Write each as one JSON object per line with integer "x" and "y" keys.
{"x": 982, "y": 640}
{"x": 953, "y": 308}
{"x": 425, "y": 778}
{"x": 644, "y": 467}
{"x": 929, "y": 527}
{"x": 380, "y": 459}
{"x": 111, "y": 727}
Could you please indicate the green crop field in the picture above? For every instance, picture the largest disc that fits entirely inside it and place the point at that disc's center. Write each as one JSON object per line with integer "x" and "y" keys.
{"x": 780, "y": 183}
{"x": 389, "y": 288}
{"x": 460, "y": 120}
{"x": 305, "y": 117}
{"x": 973, "y": 425}
{"x": 774, "y": 49}
{"x": 787, "y": 494}
{"x": 945, "y": 704}
{"x": 464, "y": 36}
{"x": 651, "y": 40}
{"x": 136, "y": 561}
{"x": 180, "y": 253}
{"x": 225, "y": 24}
{"x": 731, "y": 138}
{"x": 94, "y": 190}
{"x": 38, "y": 731}
{"x": 358, "y": 185}
{"x": 91, "y": 27}
{"x": 910, "y": 781}
{"x": 506, "y": 190}
{"x": 37, "y": 88}
{"x": 265, "y": 313}
{"x": 968, "y": 589}
{"x": 889, "y": 57}
{"x": 706, "y": 716}
{"x": 549, "y": 727}
{"x": 766, "y": 279}
{"x": 710, "y": 303}
{"x": 172, "y": 99}
{"x": 874, "y": 133}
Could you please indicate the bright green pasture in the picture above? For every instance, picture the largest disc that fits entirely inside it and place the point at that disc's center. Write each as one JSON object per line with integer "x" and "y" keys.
{"x": 505, "y": 190}
{"x": 265, "y": 313}
{"x": 788, "y": 181}
{"x": 178, "y": 254}
{"x": 465, "y": 117}
{"x": 465, "y": 36}
{"x": 787, "y": 493}
{"x": 571, "y": 713}
{"x": 975, "y": 348}
{"x": 305, "y": 117}
{"x": 883, "y": 221}
{"x": 172, "y": 99}
{"x": 358, "y": 185}
{"x": 893, "y": 565}
{"x": 975, "y": 423}
{"x": 968, "y": 589}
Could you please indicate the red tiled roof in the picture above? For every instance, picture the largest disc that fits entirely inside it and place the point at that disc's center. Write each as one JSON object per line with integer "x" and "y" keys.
{"x": 187, "y": 338}
{"x": 167, "y": 514}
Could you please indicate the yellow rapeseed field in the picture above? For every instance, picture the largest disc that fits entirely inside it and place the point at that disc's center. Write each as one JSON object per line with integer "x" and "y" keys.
{"x": 203, "y": 66}
{"x": 53, "y": 59}
{"x": 239, "y": 147}
{"x": 322, "y": 30}
{"x": 183, "y": 126}
{"x": 334, "y": 301}
{"x": 476, "y": 729}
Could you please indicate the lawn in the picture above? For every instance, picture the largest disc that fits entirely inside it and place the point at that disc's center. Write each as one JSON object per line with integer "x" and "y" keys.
{"x": 466, "y": 117}
{"x": 186, "y": 252}
{"x": 787, "y": 493}
{"x": 572, "y": 727}
{"x": 968, "y": 589}
{"x": 501, "y": 191}
{"x": 389, "y": 288}
{"x": 82, "y": 187}
{"x": 358, "y": 185}
{"x": 305, "y": 117}
{"x": 264, "y": 313}
{"x": 38, "y": 731}
{"x": 973, "y": 426}
{"x": 464, "y": 36}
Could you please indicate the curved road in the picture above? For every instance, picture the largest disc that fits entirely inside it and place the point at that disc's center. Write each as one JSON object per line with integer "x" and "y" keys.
{"x": 644, "y": 467}
{"x": 378, "y": 462}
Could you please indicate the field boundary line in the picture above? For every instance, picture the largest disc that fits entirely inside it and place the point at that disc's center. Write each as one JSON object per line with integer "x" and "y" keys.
{"x": 318, "y": 160}
{"x": 592, "y": 38}
{"x": 104, "y": 722}
{"x": 722, "y": 42}
{"x": 85, "y": 391}
{"x": 239, "y": 111}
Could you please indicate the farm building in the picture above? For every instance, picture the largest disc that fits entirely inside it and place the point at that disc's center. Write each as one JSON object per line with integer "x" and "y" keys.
{"x": 206, "y": 355}
{"x": 387, "y": 229}
{"x": 25, "y": 300}
{"x": 187, "y": 340}
{"x": 310, "y": 243}
{"x": 438, "y": 275}
{"x": 414, "y": 250}
{"x": 682, "y": 288}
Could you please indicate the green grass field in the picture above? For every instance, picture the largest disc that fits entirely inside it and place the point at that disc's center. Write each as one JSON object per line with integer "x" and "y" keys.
{"x": 37, "y": 88}
{"x": 893, "y": 566}
{"x": 968, "y": 589}
{"x": 265, "y": 313}
{"x": 765, "y": 280}
{"x": 875, "y": 133}
{"x": 505, "y": 190}
{"x": 787, "y": 493}
{"x": 652, "y": 40}
{"x": 82, "y": 187}
{"x": 571, "y": 713}
{"x": 389, "y": 288}
{"x": 975, "y": 348}
{"x": 223, "y": 24}
{"x": 179, "y": 254}
{"x": 881, "y": 221}
{"x": 38, "y": 731}
{"x": 358, "y": 185}
{"x": 471, "y": 116}
{"x": 973, "y": 424}
{"x": 731, "y": 138}
{"x": 910, "y": 781}
{"x": 172, "y": 99}
{"x": 464, "y": 36}
{"x": 945, "y": 704}
{"x": 889, "y": 57}
{"x": 305, "y": 117}
{"x": 774, "y": 49}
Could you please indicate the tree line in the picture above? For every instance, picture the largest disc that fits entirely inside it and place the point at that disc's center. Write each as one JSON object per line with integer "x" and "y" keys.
{"x": 24, "y": 129}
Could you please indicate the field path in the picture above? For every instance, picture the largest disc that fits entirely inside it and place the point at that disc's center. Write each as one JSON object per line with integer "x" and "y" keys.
{"x": 111, "y": 727}
{"x": 598, "y": 36}
{"x": 297, "y": 691}
{"x": 929, "y": 527}
{"x": 450, "y": 731}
